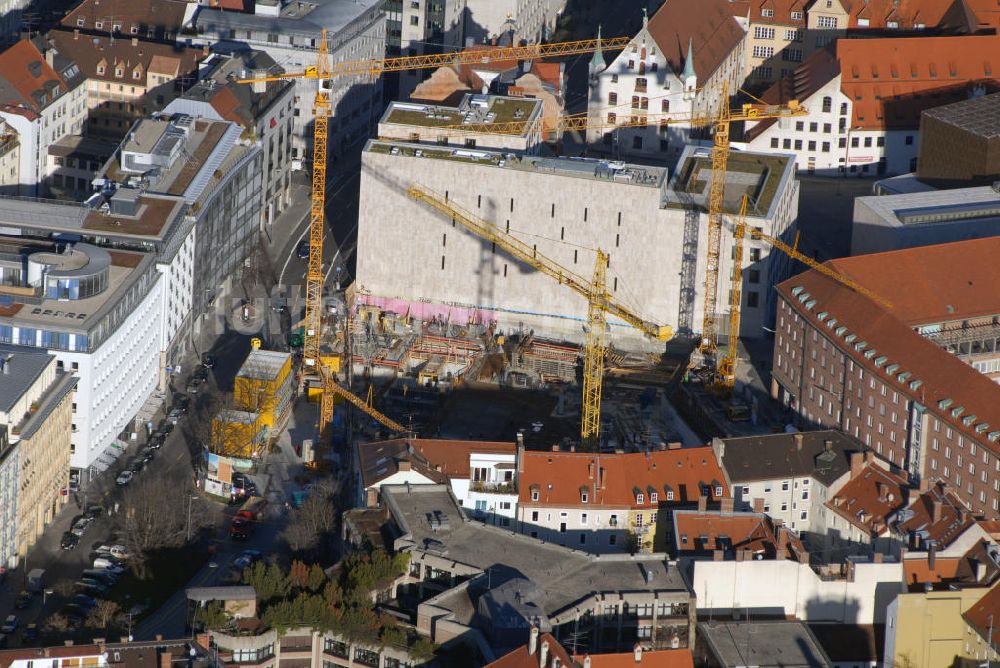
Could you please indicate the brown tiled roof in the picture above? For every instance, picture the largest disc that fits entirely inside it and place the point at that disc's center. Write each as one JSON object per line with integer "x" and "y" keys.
{"x": 699, "y": 532}
{"x": 870, "y": 497}
{"x": 893, "y": 80}
{"x": 941, "y": 375}
{"x": 985, "y": 615}
{"x": 438, "y": 460}
{"x": 89, "y": 50}
{"x": 955, "y": 519}
{"x": 25, "y": 77}
{"x": 226, "y": 103}
{"x": 164, "y": 17}
{"x": 985, "y": 14}
{"x": 707, "y": 24}
{"x": 446, "y": 85}
{"x": 917, "y": 571}
{"x": 814, "y": 73}
{"x": 782, "y": 12}
{"x": 520, "y": 658}
{"x": 559, "y": 477}
{"x": 906, "y": 14}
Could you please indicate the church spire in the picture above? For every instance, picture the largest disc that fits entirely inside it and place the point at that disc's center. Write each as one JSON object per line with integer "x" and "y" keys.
{"x": 689, "y": 72}
{"x": 597, "y": 64}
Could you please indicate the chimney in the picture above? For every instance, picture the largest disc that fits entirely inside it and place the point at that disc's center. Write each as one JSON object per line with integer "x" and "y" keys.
{"x": 543, "y": 655}
{"x": 877, "y": 558}
{"x": 719, "y": 447}
{"x": 780, "y": 554}
{"x": 572, "y": 448}
{"x": 602, "y": 477}
{"x": 718, "y": 555}
{"x": 925, "y": 485}
{"x": 674, "y": 445}
{"x": 76, "y": 33}
{"x": 166, "y": 659}
{"x": 520, "y": 453}
{"x": 68, "y": 643}
{"x": 857, "y": 463}
{"x": 828, "y": 445}
{"x": 637, "y": 653}
{"x": 803, "y": 557}
{"x": 590, "y": 471}
{"x": 555, "y": 448}
{"x": 662, "y": 446}
{"x": 404, "y": 465}
{"x": 799, "y": 440}
{"x": 205, "y": 51}
{"x": 50, "y": 57}
{"x": 586, "y": 661}
{"x": 980, "y": 569}
{"x": 726, "y": 504}
{"x": 135, "y": 41}
{"x": 758, "y": 506}
{"x": 532, "y": 640}
{"x": 931, "y": 556}
{"x": 883, "y": 491}
{"x": 935, "y": 506}
{"x": 702, "y": 503}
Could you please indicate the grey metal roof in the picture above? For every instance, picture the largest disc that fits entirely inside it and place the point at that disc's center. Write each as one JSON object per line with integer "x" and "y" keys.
{"x": 64, "y": 384}
{"x": 22, "y": 367}
{"x": 334, "y": 15}
{"x": 789, "y": 644}
{"x": 957, "y": 205}
{"x": 776, "y": 456}
{"x": 234, "y": 593}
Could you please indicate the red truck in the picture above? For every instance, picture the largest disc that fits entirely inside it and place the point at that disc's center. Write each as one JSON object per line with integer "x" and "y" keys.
{"x": 251, "y": 511}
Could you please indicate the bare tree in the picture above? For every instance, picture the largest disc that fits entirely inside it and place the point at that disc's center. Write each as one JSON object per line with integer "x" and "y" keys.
{"x": 56, "y": 623}
{"x": 155, "y": 518}
{"x": 309, "y": 527}
{"x": 63, "y": 587}
{"x": 103, "y": 614}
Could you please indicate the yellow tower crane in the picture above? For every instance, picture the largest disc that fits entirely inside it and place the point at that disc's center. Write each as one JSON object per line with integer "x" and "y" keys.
{"x": 324, "y": 72}
{"x": 600, "y": 302}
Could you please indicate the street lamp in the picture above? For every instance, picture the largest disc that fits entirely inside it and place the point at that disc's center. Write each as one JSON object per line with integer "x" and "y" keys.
{"x": 191, "y": 498}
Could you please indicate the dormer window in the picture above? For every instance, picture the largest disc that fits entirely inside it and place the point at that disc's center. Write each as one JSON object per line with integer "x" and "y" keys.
{"x": 80, "y": 21}
{"x": 135, "y": 30}
{"x": 136, "y": 73}
{"x": 640, "y": 498}
{"x": 119, "y": 72}
{"x": 99, "y": 25}
{"x": 718, "y": 491}
{"x": 653, "y": 497}
{"x": 584, "y": 495}
{"x": 670, "y": 496}
{"x": 534, "y": 492}
{"x": 767, "y": 13}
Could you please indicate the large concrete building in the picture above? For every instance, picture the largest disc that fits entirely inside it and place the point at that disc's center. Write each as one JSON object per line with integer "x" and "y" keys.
{"x": 649, "y": 220}
{"x": 912, "y": 380}
{"x": 114, "y": 289}
{"x": 288, "y": 34}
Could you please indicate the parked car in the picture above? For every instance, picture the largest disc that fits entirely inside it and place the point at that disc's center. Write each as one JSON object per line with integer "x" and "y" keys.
{"x": 84, "y": 601}
{"x": 118, "y": 552}
{"x": 174, "y": 416}
{"x": 136, "y": 466}
{"x": 80, "y": 526}
{"x": 93, "y": 511}
{"x": 101, "y": 575}
{"x": 107, "y": 562}
{"x": 240, "y": 529}
{"x": 208, "y": 361}
{"x": 156, "y": 440}
{"x": 69, "y": 541}
{"x": 30, "y": 634}
{"x": 125, "y": 477}
{"x": 193, "y": 385}
{"x": 9, "y": 624}
{"x": 181, "y": 401}
{"x": 94, "y": 585}
{"x": 23, "y": 600}
{"x": 201, "y": 373}
{"x": 147, "y": 455}
{"x": 302, "y": 252}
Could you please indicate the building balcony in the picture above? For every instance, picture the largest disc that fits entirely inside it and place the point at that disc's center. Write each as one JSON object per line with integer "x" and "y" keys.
{"x": 493, "y": 487}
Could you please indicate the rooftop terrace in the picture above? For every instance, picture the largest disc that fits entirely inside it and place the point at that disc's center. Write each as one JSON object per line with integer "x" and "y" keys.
{"x": 473, "y": 109}
{"x": 756, "y": 175}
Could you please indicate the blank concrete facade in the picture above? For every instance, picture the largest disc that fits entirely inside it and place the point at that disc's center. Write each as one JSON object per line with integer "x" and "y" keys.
{"x": 412, "y": 259}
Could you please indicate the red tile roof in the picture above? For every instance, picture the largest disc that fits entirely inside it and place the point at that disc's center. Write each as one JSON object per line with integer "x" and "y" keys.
{"x": 150, "y": 57}
{"x": 27, "y": 78}
{"x": 697, "y": 532}
{"x": 893, "y": 80}
{"x": 985, "y": 615}
{"x": 953, "y": 521}
{"x": 869, "y": 497}
{"x": 781, "y": 12}
{"x": 163, "y": 17}
{"x": 940, "y": 374}
{"x": 550, "y": 73}
{"x": 985, "y": 14}
{"x": 709, "y": 27}
{"x": 437, "y": 459}
{"x": 664, "y": 658}
{"x": 918, "y": 571}
{"x": 520, "y": 658}
{"x": 906, "y": 14}
{"x": 559, "y": 477}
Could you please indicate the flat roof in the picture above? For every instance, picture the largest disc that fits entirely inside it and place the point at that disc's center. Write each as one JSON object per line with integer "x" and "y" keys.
{"x": 477, "y": 109}
{"x": 765, "y": 644}
{"x": 298, "y": 18}
{"x": 592, "y": 169}
{"x": 757, "y": 175}
{"x": 21, "y": 367}
{"x": 956, "y": 205}
{"x": 565, "y": 576}
{"x": 263, "y": 364}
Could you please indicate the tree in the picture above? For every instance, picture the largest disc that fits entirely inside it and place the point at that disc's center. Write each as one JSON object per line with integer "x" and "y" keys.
{"x": 211, "y": 617}
{"x": 56, "y": 623}
{"x": 103, "y": 614}
{"x": 310, "y": 526}
{"x": 298, "y": 575}
{"x": 268, "y": 580}
{"x": 317, "y": 578}
{"x": 422, "y": 649}
{"x": 63, "y": 587}
{"x": 155, "y": 518}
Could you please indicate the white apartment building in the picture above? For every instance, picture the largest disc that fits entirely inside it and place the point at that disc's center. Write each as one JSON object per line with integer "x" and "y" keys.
{"x": 675, "y": 67}
{"x": 412, "y": 260}
{"x": 480, "y": 474}
{"x": 41, "y": 105}
{"x": 864, "y": 98}
{"x": 288, "y": 34}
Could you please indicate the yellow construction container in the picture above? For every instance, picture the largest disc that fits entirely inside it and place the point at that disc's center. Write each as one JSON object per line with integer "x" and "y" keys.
{"x": 264, "y": 385}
